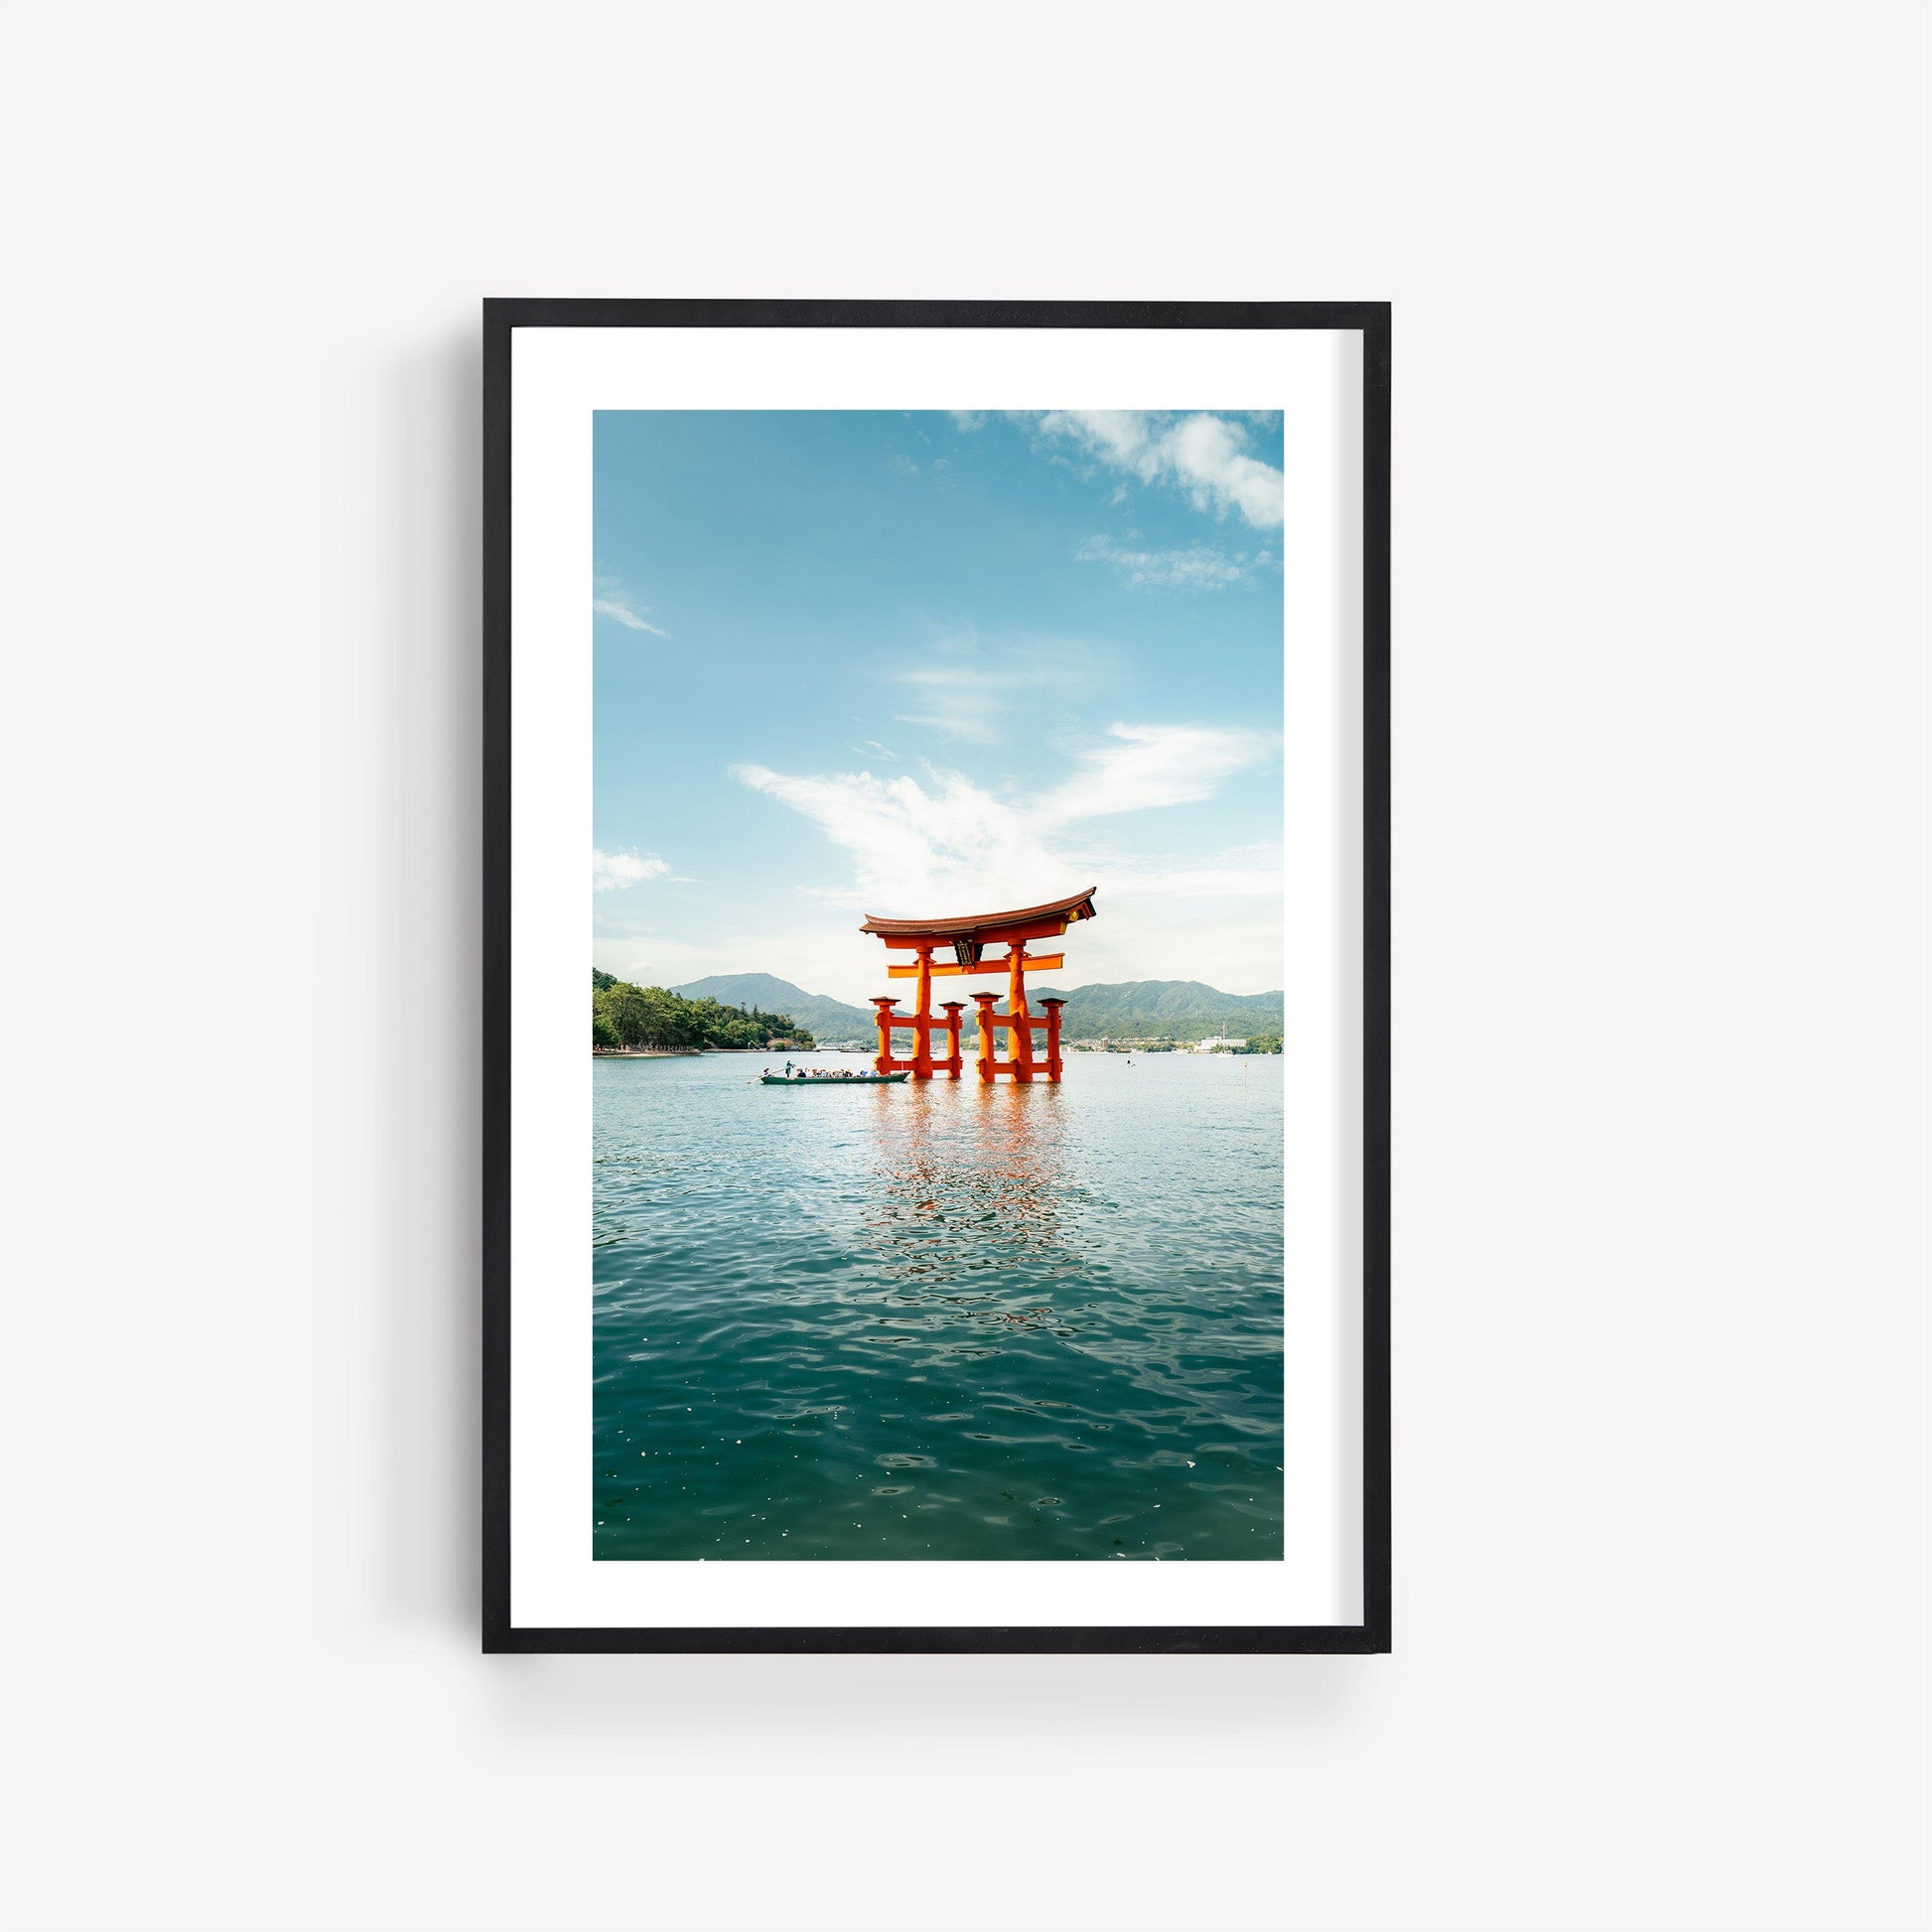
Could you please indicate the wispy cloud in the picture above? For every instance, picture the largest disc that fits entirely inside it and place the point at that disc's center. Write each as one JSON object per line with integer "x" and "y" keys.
{"x": 918, "y": 845}
{"x": 970, "y": 701}
{"x": 1206, "y": 455}
{"x": 1200, "y": 567}
{"x": 904, "y": 839}
{"x": 611, "y": 870}
{"x": 929, "y": 843}
{"x": 1142, "y": 766}
{"x": 613, "y": 600}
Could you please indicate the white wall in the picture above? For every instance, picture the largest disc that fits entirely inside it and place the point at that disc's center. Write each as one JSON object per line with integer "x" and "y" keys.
{"x": 1660, "y": 277}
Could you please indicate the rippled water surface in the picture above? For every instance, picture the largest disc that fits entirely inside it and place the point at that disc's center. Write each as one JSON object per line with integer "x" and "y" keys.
{"x": 944, "y": 1321}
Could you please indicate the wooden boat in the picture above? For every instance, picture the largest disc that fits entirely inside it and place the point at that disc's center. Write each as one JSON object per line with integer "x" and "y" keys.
{"x": 831, "y": 1079}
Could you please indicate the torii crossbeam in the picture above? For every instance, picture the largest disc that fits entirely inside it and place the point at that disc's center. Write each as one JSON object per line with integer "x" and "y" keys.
{"x": 967, "y": 938}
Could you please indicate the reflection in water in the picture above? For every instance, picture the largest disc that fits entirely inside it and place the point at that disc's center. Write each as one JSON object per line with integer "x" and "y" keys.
{"x": 941, "y": 1320}
{"x": 970, "y": 1213}
{"x": 969, "y": 1182}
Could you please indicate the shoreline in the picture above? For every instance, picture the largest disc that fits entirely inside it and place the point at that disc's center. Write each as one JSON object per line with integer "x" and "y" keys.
{"x": 691, "y": 1053}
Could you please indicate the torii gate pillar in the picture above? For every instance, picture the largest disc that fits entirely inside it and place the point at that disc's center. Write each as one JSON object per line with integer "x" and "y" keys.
{"x": 1020, "y": 1033}
{"x": 1053, "y": 1007}
{"x": 989, "y": 1048}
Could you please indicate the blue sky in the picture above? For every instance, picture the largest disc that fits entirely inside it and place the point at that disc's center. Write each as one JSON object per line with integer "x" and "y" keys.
{"x": 852, "y": 662}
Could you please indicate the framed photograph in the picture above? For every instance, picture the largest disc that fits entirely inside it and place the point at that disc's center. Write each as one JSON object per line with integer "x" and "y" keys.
{"x": 951, "y": 740}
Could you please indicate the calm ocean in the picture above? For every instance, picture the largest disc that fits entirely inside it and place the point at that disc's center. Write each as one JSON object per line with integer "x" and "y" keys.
{"x": 942, "y": 1320}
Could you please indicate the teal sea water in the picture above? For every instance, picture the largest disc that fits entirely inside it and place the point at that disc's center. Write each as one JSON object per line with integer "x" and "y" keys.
{"x": 941, "y": 1320}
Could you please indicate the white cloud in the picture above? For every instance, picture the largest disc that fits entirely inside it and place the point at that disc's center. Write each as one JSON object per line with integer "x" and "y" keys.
{"x": 1205, "y": 455}
{"x": 1208, "y": 456}
{"x": 911, "y": 845}
{"x": 972, "y": 701}
{"x": 946, "y": 844}
{"x": 949, "y": 845}
{"x": 1124, "y": 436}
{"x": 1198, "y": 568}
{"x": 615, "y": 602}
{"x": 1146, "y": 765}
{"x": 611, "y": 870}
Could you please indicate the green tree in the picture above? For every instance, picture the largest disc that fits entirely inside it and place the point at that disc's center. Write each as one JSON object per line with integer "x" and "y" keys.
{"x": 651, "y": 1015}
{"x": 669, "y": 1021}
{"x": 623, "y": 1009}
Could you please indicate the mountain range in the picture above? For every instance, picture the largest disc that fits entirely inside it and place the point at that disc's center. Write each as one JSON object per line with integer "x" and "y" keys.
{"x": 822, "y": 1018}
{"x": 1126, "y": 1010}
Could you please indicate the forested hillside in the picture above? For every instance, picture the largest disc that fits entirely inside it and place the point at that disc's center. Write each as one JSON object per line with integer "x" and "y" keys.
{"x": 624, "y": 1014}
{"x": 1182, "y": 1009}
{"x": 828, "y": 1019}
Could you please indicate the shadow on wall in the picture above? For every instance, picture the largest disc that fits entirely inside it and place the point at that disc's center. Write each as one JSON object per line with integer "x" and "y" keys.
{"x": 418, "y": 892}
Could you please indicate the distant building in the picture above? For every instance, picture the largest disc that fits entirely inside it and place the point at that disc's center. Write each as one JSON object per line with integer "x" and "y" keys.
{"x": 1220, "y": 1041}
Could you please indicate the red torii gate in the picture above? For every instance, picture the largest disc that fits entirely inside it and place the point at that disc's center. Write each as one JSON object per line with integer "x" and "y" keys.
{"x": 968, "y": 938}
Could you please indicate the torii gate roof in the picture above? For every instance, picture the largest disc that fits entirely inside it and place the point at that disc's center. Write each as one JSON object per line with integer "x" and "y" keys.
{"x": 1023, "y": 923}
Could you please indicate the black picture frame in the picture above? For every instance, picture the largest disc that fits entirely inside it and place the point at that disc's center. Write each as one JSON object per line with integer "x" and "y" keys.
{"x": 501, "y": 318}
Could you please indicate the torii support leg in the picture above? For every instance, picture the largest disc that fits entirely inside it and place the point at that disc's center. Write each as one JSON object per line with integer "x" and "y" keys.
{"x": 1052, "y": 1036}
{"x": 984, "y": 1001}
{"x": 922, "y": 1019}
{"x": 882, "y": 1062}
{"x": 1020, "y": 1036}
{"x": 954, "y": 1008}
